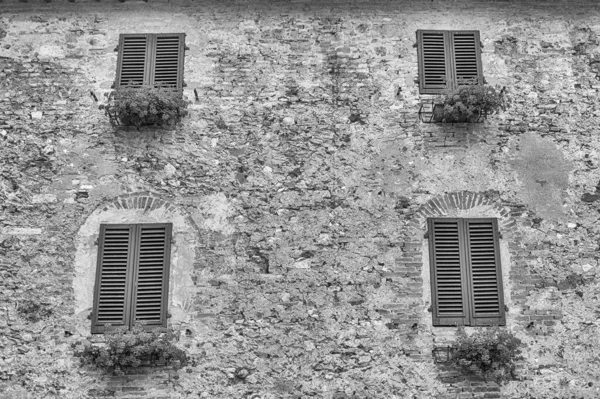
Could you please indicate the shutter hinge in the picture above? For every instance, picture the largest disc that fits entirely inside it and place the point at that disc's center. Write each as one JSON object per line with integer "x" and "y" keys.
{"x": 500, "y": 235}
{"x": 184, "y": 84}
{"x": 116, "y": 48}
{"x": 96, "y": 242}
{"x": 112, "y": 86}
{"x": 186, "y": 48}
{"x": 415, "y": 45}
{"x": 426, "y": 235}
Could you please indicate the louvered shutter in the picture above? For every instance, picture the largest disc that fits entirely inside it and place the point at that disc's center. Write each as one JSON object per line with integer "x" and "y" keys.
{"x": 132, "y": 63}
{"x": 448, "y": 285}
{"x": 434, "y": 61}
{"x": 152, "y": 275}
{"x": 132, "y": 277}
{"x": 466, "y": 58}
{"x": 483, "y": 267}
{"x": 167, "y": 61}
{"x": 113, "y": 278}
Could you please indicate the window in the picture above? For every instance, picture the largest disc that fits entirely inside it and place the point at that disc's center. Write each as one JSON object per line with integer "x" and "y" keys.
{"x": 151, "y": 59}
{"x": 132, "y": 276}
{"x": 466, "y": 278}
{"x": 448, "y": 59}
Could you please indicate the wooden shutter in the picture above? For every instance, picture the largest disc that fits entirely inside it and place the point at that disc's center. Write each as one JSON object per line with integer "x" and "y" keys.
{"x": 466, "y": 277}
{"x": 466, "y": 58}
{"x": 434, "y": 66}
{"x": 483, "y": 267}
{"x": 132, "y": 63}
{"x": 152, "y": 276}
{"x": 168, "y": 60}
{"x": 146, "y": 59}
{"x": 113, "y": 278}
{"x": 448, "y": 59}
{"x": 132, "y": 277}
{"x": 448, "y": 285}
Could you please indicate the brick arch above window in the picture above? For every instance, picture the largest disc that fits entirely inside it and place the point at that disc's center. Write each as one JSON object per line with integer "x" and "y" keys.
{"x": 464, "y": 204}
{"x": 139, "y": 208}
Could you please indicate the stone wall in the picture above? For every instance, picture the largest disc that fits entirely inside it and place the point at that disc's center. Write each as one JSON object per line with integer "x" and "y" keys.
{"x": 305, "y": 174}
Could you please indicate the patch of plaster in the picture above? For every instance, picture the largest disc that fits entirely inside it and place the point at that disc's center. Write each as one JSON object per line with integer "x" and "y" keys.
{"x": 544, "y": 299}
{"x": 457, "y": 171}
{"x": 181, "y": 286}
{"x": 214, "y": 213}
{"x": 544, "y": 173}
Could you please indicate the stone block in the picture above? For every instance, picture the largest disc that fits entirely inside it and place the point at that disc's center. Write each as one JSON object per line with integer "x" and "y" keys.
{"x": 44, "y": 199}
{"x": 25, "y": 231}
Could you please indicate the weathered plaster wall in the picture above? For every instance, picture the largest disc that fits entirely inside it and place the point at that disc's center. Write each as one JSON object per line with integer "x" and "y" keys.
{"x": 308, "y": 176}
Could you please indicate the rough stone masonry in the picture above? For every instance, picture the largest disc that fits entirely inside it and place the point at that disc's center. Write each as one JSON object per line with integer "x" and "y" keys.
{"x": 299, "y": 187}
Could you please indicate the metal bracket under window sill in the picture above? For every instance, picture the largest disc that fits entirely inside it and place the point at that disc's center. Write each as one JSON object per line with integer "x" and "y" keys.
{"x": 431, "y": 112}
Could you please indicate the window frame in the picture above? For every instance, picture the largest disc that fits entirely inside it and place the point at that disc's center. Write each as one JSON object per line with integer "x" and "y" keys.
{"x": 469, "y": 316}
{"x": 131, "y": 278}
{"x": 150, "y": 58}
{"x": 449, "y": 58}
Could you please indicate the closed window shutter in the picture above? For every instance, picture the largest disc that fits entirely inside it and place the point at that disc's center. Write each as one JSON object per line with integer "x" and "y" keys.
{"x": 152, "y": 276}
{"x": 449, "y": 299}
{"x": 168, "y": 60}
{"x": 132, "y": 277}
{"x": 132, "y": 63}
{"x": 484, "y": 269}
{"x": 434, "y": 61}
{"x": 466, "y": 58}
{"x": 113, "y": 277}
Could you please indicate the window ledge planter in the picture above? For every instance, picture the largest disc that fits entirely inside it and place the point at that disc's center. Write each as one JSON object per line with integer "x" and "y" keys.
{"x": 125, "y": 350}
{"x": 466, "y": 104}
{"x": 491, "y": 354}
{"x": 433, "y": 112}
{"x": 143, "y": 106}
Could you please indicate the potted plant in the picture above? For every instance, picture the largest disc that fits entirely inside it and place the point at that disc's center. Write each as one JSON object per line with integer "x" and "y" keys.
{"x": 488, "y": 353}
{"x": 469, "y": 103}
{"x": 141, "y": 105}
{"x": 125, "y": 349}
